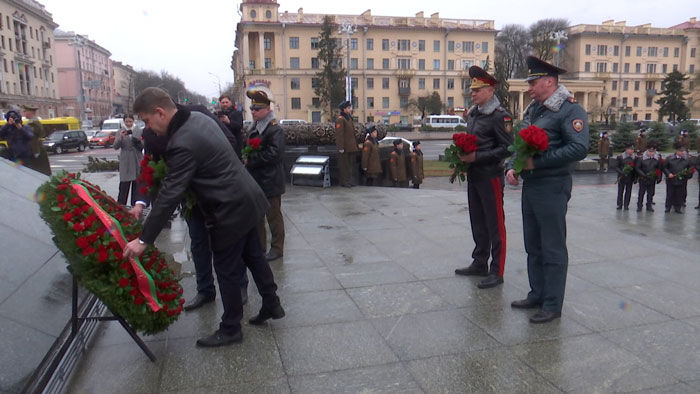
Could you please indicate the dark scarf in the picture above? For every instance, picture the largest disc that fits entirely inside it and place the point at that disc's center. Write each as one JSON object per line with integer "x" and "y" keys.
{"x": 178, "y": 120}
{"x": 418, "y": 152}
{"x": 346, "y": 116}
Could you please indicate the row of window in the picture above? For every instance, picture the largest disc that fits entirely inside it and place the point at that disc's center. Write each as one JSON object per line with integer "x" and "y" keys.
{"x": 295, "y": 83}
{"x": 401, "y": 63}
{"x": 605, "y": 50}
{"x": 635, "y": 102}
{"x": 650, "y": 68}
{"x": 401, "y": 45}
{"x": 386, "y": 102}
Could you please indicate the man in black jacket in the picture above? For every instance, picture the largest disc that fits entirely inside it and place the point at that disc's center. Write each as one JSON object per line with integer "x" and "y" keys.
{"x": 678, "y": 170}
{"x": 200, "y": 159}
{"x": 493, "y": 126}
{"x": 266, "y": 165}
{"x": 233, "y": 119}
{"x": 626, "y": 175}
{"x": 648, "y": 168}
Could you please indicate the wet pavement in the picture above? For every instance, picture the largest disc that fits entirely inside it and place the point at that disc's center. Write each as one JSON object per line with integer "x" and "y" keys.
{"x": 373, "y": 305}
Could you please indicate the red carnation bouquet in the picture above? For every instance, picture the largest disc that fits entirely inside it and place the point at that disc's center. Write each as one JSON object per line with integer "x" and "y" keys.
{"x": 529, "y": 142}
{"x": 152, "y": 174}
{"x": 91, "y": 230}
{"x": 252, "y": 149}
{"x": 462, "y": 144}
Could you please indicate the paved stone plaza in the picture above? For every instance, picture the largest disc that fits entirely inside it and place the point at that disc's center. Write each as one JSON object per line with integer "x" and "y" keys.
{"x": 373, "y": 305}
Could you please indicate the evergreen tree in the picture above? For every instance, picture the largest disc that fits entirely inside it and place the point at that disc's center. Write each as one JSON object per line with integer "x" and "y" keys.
{"x": 673, "y": 100}
{"x": 330, "y": 86}
{"x": 657, "y": 133}
{"x": 623, "y": 136}
{"x": 594, "y": 133}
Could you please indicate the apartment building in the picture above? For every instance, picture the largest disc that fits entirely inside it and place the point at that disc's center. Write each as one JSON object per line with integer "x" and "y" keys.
{"x": 28, "y": 74}
{"x": 123, "y": 88}
{"x": 392, "y": 60}
{"x": 631, "y": 62}
{"x": 85, "y": 78}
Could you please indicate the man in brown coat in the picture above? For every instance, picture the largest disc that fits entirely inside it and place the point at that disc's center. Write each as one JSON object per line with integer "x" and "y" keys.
{"x": 346, "y": 142}
{"x": 397, "y": 165}
{"x": 604, "y": 150}
{"x": 640, "y": 144}
{"x": 416, "y": 159}
{"x": 371, "y": 163}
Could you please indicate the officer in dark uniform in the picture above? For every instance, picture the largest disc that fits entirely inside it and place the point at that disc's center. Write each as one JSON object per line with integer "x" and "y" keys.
{"x": 625, "y": 179}
{"x": 547, "y": 187}
{"x": 676, "y": 185}
{"x": 267, "y": 167}
{"x": 493, "y": 127}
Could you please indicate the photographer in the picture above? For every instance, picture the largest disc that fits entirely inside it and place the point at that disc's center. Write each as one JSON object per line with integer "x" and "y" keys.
{"x": 17, "y": 136}
{"x": 233, "y": 120}
{"x": 129, "y": 141}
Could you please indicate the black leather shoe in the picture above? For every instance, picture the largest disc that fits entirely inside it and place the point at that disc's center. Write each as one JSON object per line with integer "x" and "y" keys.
{"x": 619, "y": 207}
{"x": 525, "y": 304}
{"x": 627, "y": 208}
{"x": 544, "y": 317}
{"x": 698, "y": 207}
{"x": 491, "y": 281}
{"x": 639, "y": 209}
{"x": 272, "y": 256}
{"x": 198, "y": 301}
{"x": 650, "y": 209}
{"x": 677, "y": 210}
{"x": 276, "y": 312}
{"x": 667, "y": 210}
{"x": 473, "y": 270}
{"x": 220, "y": 339}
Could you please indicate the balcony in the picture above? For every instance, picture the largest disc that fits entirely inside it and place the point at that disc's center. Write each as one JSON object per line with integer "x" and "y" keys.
{"x": 603, "y": 75}
{"x": 404, "y": 73}
{"x": 404, "y": 91}
{"x": 653, "y": 76}
{"x": 651, "y": 92}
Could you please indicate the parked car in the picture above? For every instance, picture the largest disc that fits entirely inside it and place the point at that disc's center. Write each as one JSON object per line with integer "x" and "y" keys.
{"x": 292, "y": 121}
{"x": 104, "y": 139}
{"x": 389, "y": 142}
{"x": 61, "y": 141}
{"x": 643, "y": 124}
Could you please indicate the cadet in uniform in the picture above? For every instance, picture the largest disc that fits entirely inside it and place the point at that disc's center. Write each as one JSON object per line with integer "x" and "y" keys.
{"x": 547, "y": 187}
{"x": 624, "y": 181}
{"x": 675, "y": 186}
{"x": 416, "y": 160}
{"x": 640, "y": 144}
{"x": 397, "y": 165}
{"x": 493, "y": 127}
{"x": 267, "y": 168}
{"x": 39, "y": 160}
{"x": 604, "y": 150}
{"x": 645, "y": 165}
{"x": 371, "y": 163}
{"x": 684, "y": 140}
{"x": 346, "y": 142}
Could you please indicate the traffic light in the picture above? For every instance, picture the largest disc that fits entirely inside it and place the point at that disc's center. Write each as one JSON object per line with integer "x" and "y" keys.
{"x": 186, "y": 99}
{"x": 213, "y": 102}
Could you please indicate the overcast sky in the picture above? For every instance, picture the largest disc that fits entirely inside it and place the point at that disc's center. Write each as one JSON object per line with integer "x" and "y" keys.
{"x": 191, "y": 39}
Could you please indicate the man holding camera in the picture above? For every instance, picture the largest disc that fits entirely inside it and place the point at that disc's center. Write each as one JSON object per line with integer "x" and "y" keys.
{"x": 233, "y": 119}
{"x": 18, "y": 137}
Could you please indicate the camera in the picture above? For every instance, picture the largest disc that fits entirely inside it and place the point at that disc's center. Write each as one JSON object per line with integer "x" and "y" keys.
{"x": 221, "y": 113}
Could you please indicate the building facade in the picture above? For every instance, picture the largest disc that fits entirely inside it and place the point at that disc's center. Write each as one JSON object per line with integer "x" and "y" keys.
{"x": 123, "y": 89}
{"x": 631, "y": 62}
{"x": 85, "y": 78}
{"x": 393, "y": 60}
{"x": 28, "y": 74}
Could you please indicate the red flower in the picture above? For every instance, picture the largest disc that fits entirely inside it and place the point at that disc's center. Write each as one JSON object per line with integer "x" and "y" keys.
{"x": 88, "y": 251}
{"x": 82, "y": 242}
{"x": 102, "y": 255}
{"x": 632, "y": 164}
{"x": 138, "y": 300}
{"x": 254, "y": 143}
{"x": 182, "y": 301}
{"x": 118, "y": 255}
{"x": 75, "y": 201}
{"x": 100, "y": 231}
{"x": 658, "y": 172}
{"x": 63, "y": 205}
{"x": 67, "y": 217}
{"x": 535, "y": 137}
{"x": 78, "y": 227}
{"x": 123, "y": 282}
{"x": 143, "y": 190}
{"x": 60, "y": 198}
{"x": 62, "y": 187}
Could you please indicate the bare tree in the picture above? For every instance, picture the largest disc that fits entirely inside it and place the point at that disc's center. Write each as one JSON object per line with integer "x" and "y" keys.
{"x": 512, "y": 47}
{"x": 544, "y": 35}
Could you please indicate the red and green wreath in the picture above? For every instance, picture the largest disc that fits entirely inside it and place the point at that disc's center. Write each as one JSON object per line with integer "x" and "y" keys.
{"x": 91, "y": 229}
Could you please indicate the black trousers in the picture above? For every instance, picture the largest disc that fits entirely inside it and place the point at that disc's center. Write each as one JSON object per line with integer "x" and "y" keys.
{"x": 124, "y": 192}
{"x": 544, "y": 204}
{"x": 675, "y": 195}
{"x": 485, "y": 197}
{"x": 647, "y": 189}
{"x": 230, "y": 269}
{"x": 624, "y": 188}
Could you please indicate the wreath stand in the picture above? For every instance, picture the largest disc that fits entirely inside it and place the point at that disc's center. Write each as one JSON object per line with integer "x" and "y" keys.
{"x": 77, "y": 320}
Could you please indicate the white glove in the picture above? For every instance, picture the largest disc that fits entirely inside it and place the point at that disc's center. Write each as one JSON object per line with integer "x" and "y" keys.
{"x": 341, "y": 150}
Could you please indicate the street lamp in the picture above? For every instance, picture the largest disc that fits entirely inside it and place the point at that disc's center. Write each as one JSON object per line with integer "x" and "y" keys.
{"x": 348, "y": 29}
{"x": 218, "y": 80}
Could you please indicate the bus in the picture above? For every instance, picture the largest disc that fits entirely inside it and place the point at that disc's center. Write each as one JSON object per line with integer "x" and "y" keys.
{"x": 445, "y": 121}
{"x": 50, "y": 125}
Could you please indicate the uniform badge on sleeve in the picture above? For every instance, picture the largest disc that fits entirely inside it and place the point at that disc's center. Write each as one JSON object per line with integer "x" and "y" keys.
{"x": 577, "y": 124}
{"x": 508, "y": 124}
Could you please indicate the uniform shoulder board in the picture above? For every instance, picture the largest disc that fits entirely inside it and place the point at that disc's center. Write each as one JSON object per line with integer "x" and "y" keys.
{"x": 272, "y": 122}
{"x": 501, "y": 109}
{"x": 572, "y": 100}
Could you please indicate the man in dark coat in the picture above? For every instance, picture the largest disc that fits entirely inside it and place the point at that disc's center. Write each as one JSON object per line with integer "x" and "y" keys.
{"x": 678, "y": 172}
{"x": 233, "y": 119}
{"x": 199, "y": 158}
{"x": 626, "y": 175}
{"x": 156, "y": 146}
{"x": 493, "y": 126}
{"x": 547, "y": 185}
{"x": 18, "y": 137}
{"x": 266, "y": 165}
{"x": 648, "y": 168}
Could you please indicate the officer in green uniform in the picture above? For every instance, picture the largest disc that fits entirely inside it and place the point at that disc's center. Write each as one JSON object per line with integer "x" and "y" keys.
{"x": 39, "y": 160}
{"x": 547, "y": 187}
